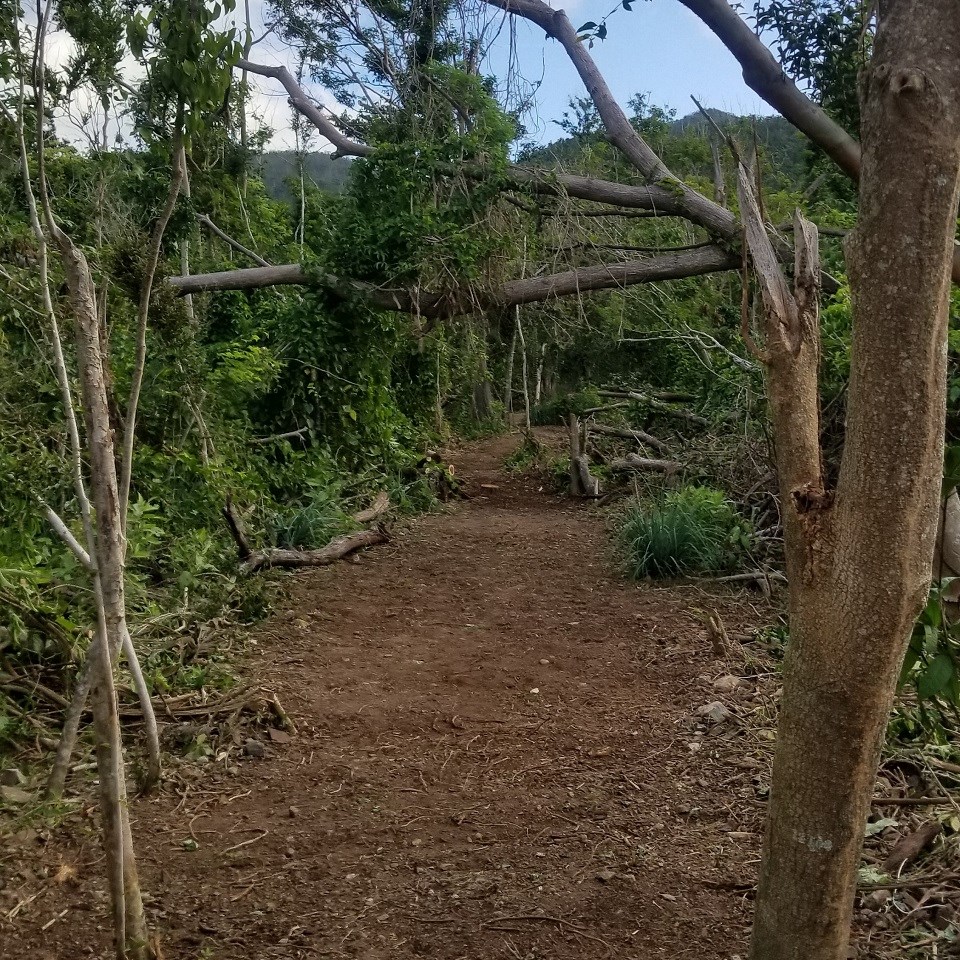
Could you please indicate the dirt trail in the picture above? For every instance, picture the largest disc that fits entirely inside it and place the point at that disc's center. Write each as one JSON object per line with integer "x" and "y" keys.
{"x": 495, "y": 757}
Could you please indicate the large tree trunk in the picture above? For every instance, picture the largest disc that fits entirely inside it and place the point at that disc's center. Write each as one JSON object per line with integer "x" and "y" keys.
{"x": 859, "y": 559}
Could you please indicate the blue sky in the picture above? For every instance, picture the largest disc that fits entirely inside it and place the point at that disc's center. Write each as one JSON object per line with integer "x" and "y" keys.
{"x": 658, "y": 48}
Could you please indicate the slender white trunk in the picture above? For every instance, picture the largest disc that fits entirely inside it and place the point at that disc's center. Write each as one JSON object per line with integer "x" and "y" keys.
{"x": 523, "y": 359}
{"x": 508, "y": 379}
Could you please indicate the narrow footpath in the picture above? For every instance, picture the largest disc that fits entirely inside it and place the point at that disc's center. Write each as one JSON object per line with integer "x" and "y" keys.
{"x": 495, "y": 756}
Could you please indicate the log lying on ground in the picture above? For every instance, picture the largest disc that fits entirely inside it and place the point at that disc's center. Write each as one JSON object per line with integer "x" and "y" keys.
{"x": 331, "y": 553}
{"x": 659, "y": 406}
{"x": 634, "y": 464}
{"x": 629, "y": 433}
{"x": 254, "y": 560}
{"x": 674, "y": 396}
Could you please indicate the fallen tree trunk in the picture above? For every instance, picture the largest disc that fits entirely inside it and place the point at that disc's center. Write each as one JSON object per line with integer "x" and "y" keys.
{"x": 629, "y": 433}
{"x": 253, "y": 560}
{"x": 658, "y": 405}
{"x": 634, "y": 464}
{"x": 676, "y": 396}
{"x": 331, "y": 553}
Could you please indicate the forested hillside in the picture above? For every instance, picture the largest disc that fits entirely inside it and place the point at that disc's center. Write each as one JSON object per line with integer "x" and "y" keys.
{"x": 280, "y": 172}
{"x": 681, "y": 391}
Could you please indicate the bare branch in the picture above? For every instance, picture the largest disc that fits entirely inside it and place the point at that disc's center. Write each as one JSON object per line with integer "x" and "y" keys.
{"x": 667, "y": 266}
{"x": 235, "y": 244}
{"x": 697, "y": 208}
{"x": 331, "y": 553}
{"x": 143, "y": 313}
{"x": 66, "y": 535}
{"x": 303, "y": 104}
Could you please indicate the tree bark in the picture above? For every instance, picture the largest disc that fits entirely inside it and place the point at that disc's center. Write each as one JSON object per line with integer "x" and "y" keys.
{"x": 573, "y": 429}
{"x": 538, "y": 388}
{"x": 859, "y": 559}
{"x": 634, "y": 464}
{"x": 630, "y": 433}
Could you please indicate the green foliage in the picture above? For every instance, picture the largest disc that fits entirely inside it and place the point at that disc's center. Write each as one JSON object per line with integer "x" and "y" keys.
{"x": 931, "y": 668}
{"x": 311, "y": 525}
{"x": 558, "y": 409}
{"x": 823, "y": 43}
{"x": 690, "y": 530}
{"x": 190, "y": 61}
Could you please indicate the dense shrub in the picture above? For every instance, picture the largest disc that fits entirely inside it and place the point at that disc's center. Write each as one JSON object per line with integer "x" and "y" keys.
{"x": 691, "y": 530}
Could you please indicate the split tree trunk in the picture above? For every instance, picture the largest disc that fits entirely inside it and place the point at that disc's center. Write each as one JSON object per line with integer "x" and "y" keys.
{"x": 859, "y": 558}
{"x": 130, "y": 926}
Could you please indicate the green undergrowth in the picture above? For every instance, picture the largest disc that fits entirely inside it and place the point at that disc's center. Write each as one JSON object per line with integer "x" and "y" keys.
{"x": 682, "y": 532}
{"x": 188, "y": 600}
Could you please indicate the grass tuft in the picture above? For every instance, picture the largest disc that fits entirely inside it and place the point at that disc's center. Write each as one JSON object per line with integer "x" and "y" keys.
{"x": 691, "y": 530}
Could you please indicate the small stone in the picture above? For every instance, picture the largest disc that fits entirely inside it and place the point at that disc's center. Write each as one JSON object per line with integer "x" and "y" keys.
{"x": 605, "y": 876}
{"x": 535, "y": 690}
{"x": 728, "y": 683}
{"x": 15, "y": 795}
{"x": 715, "y": 712}
{"x": 876, "y": 899}
{"x": 544, "y": 662}
{"x": 12, "y": 777}
{"x": 293, "y": 812}
{"x": 278, "y": 736}
{"x": 254, "y": 748}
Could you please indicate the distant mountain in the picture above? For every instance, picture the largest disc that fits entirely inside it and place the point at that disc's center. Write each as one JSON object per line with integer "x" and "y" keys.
{"x": 279, "y": 166}
{"x": 782, "y": 145}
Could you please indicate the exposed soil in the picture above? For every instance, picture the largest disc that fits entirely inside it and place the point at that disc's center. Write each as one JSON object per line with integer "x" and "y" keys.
{"x": 497, "y": 754}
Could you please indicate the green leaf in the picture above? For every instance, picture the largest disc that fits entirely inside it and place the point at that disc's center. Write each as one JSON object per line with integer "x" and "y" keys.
{"x": 871, "y": 875}
{"x": 951, "y": 468}
{"x": 602, "y": 31}
{"x": 878, "y": 826}
{"x": 937, "y": 675}
{"x": 913, "y": 655}
{"x": 589, "y": 25}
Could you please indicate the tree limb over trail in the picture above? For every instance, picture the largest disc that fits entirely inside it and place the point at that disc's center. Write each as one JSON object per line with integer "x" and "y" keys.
{"x": 665, "y": 266}
{"x": 663, "y": 195}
